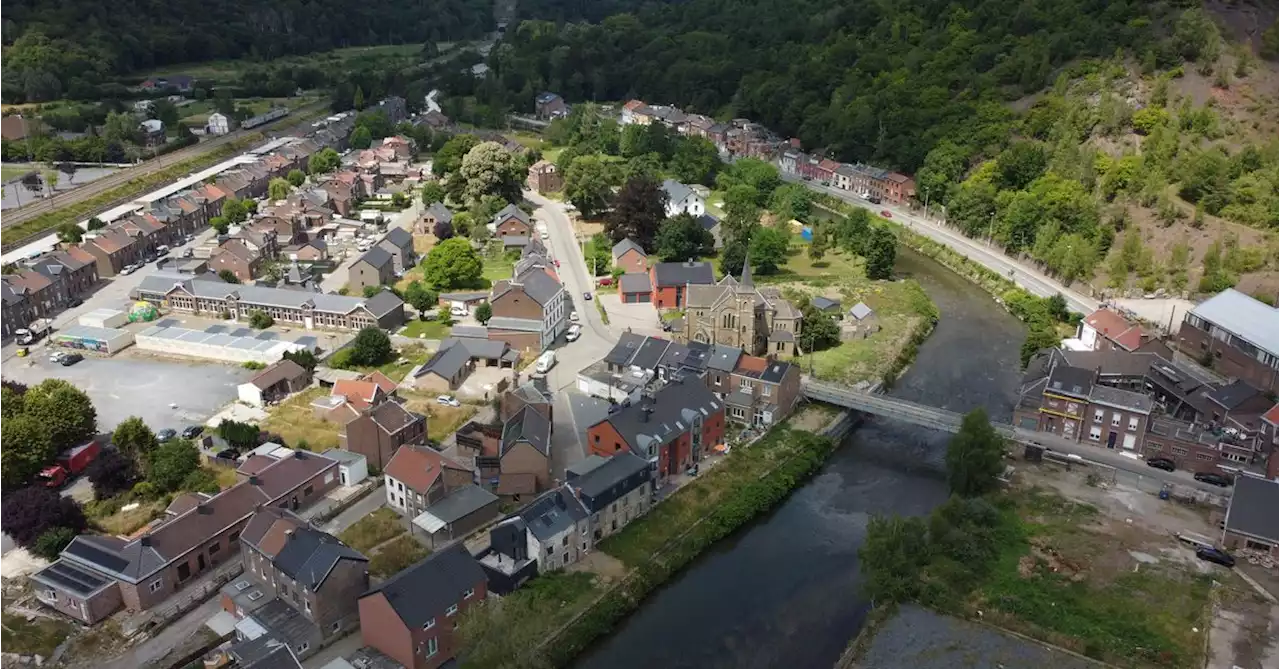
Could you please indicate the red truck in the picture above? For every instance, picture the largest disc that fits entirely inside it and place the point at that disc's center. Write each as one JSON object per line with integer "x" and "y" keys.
{"x": 70, "y": 463}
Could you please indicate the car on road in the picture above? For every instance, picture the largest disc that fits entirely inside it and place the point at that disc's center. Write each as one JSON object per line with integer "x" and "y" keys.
{"x": 166, "y": 434}
{"x": 162, "y": 251}
{"x": 1214, "y": 478}
{"x": 1162, "y": 463}
{"x": 544, "y": 235}
{"x": 129, "y": 269}
{"x": 448, "y": 400}
{"x": 574, "y": 332}
{"x": 56, "y": 356}
{"x": 886, "y": 213}
{"x": 573, "y": 316}
{"x": 70, "y": 359}
{"x": 1216, "y": 556}
{"x": 192, "y": 431}
{"x": 188, "y": 253}
{"x": 587, "y": 296}
{"x": 556, "y": 261}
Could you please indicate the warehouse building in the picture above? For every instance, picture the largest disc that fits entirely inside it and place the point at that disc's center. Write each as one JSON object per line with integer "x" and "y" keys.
{"x": 220, "y": 342}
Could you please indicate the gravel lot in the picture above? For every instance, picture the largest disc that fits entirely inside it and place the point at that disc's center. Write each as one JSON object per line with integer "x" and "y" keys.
{"x": 921, "y": 639}
{"x": 132, "y": 385}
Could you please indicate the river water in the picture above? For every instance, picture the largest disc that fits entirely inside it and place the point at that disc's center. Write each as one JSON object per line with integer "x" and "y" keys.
{"x": 784, "y": 592}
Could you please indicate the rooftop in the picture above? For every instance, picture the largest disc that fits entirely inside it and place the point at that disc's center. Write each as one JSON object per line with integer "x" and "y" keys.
{"x": 1244, "y": 317}
{"x": 1253, "y": 508}
{"x": 425, "y": 590}
{"x": 671, "y": 411}
{"x": 682, "y": 273}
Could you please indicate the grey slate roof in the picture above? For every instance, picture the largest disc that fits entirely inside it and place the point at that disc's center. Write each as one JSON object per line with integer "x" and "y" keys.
{"x": 440, "y": 212}
{"x": 461, "y": 503}
{"x": 509, "y": 241}
{"x": 681, "y": 273}
{"x": 446, "y": 362}
{"x": 584, "y": 466}
{"x": 708, "y": 222}
{"x": 825, "y": 303}
{"x": 675, "y": 190}
{"x": 860, "y": 311}
{"x": 309, "y": 555}
{"x": 635, "y": 282}
{"x": 650, "y": 353}
{"x": 511, "y": 323}
{"x": 376, "y": 257}
{"x": 625, "y": 349}
{"x": 1253, "y": 508}
{"x": 530, "y": 426}
{"x": 478, "y": 348}
{"x": 1243, "y": 316}
{"x": 776, "y": 371}
{"x": 382, "y": 303}
{"x": 670, "y": 412}
{"x": 1070, "y": 380}
{"x": 1233, "y": 395}
{"x": 426, "y": 589}
{"x": 553, "y": 513}
{"x": 1121, "y": 399}
{"x": 399, "y": 237}
{"x": 626, "y": 245}
{"x": 724, "y": 358}
{"x": 510, "y": 211}
{"x": 610, "y": 473}
{"x": 541, "y": 287}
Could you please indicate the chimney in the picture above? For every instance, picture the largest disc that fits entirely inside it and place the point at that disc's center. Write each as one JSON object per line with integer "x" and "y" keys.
{"x": 254, "y": 480}
{"x": 145, "y": 540}
{"x": 644, "y": 414}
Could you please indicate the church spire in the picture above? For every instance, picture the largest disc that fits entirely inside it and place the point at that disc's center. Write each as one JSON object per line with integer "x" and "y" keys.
{"x": 745, "y": 281}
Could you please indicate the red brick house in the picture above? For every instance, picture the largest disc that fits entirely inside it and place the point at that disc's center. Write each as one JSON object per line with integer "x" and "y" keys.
{"x": 112, "y": 250}
{"x": 1236, "y": 335}
{"x": 411, "y": 616}
{"x": 629, "y": 256}
{"x": 670, "y": 279}
{"x": 96, "y": 574}
{"x": 899, "y": 188}
{"x": 512, "y": 222}
{"x": 236, "y": 257}
{"x": 675, "y": 427}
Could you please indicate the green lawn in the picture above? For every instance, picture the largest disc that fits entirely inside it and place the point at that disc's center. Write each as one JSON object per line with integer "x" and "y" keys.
{"x": 375, "y": 528}
{"x": 396, "y": 556}
{"x": 293, "y": 420}
{"x": 406, "y": 359}
{"x": 497, "y": 267}
{"x": 426, "y": 330}
{"x": 8, "y": 172}
{"x": 38, "y": 636}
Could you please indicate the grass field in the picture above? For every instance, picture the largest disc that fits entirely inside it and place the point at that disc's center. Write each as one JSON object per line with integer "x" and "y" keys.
{"x": 441, "y": 420}
{"x": 293, "y": 421}
{"x": 425, "y": 330}
{"x": 380, "y": 526}
{"x": 38, "y": 636}
{"x": 8, "y": 172}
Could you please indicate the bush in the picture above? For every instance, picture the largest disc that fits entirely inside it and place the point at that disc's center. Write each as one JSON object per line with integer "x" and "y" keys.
{"x": 260, "y": 320}
{"x": 51, "y": 543}
{"x": 253, "y": 364}
{"x": 371, "y": 347}
{"x": 145, "y": 490}
{"x": 341, "y": 359}
{"x": 200, "y": 480}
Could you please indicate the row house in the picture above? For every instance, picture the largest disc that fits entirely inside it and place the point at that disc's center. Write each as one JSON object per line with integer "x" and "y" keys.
{"x": 96, "y": 574}
{"x": 18, "y": 309}
{"x": 239, "y": 258}
{"x": 673, "y": 427}
{"x": 756, "y": 391}
{"x": 112, "y": 250}
{"x": 45, "y": 286}
{"x": 1235, "y": 335}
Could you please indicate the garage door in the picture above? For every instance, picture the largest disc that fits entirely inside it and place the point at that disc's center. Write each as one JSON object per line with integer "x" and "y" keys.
{"x": 645, "y": 297}
{"x": 630, "y": 298}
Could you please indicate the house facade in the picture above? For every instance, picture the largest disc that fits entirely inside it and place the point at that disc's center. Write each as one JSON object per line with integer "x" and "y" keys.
{"x": 672, "y": 428}
{"x": 670, "y": 282}
{"x": 545, "y": 177}
{"x": 537, "y": 299}
{"x": 372, "y": 269}
{"x": 1236, "y": 336}
{"x": 419, "y": 476}
{"x": 630, "y": 257}
{"x": 380, "y": 431}
{"x": 512, "y": 222}
{"x": 682, "y": 199}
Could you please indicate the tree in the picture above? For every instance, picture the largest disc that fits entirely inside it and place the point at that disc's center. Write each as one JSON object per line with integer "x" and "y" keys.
{"x": 96, "y": 223}
{"x": 50, "y": 544}
{"x": 133, "y": 438}
{"x": 371, "y": 347}
{"x": 975, "y": 456}
{"x": 489, "y": 169}
{"x": 761, "y": 176}
{"x": 732, "y": 257}
{"x": 63, "y": 411}
{"x": 278, "y": 189}
{"x": 695, "y": 161}
{"x": 357, "y": 100}
{"x": 853, "y": 231}
{"x": 452, "y": 263}
{"x": 768, "y": 250}
{"x": 818, "y": 330}
{"x": 304, "y": 358}
{"x": 220, "y": 224}
{"x": 11, "y": 401}
{"x": 327, "y": 160}
{"x": 29, "y": 512}
{"x": 442, "y": 230}
{"x": 683, "y": 238}
{"x": 895, "y": 551}
{"x": 449, "y": 158}
{"x": 235, "y": 210}
{"x": 741, "y": 213}
{"x": 260, "y": 320}
{"x": 370, "y": 291}
{"x": 483, "y": 313}
{"x": 791, "y": 201}
{"x": 588, "y": 184}
{"x": 296, "y": 178}
{"x": 361, "y": 138}
{"x": 26, "y": 450}
{"x": 239, "y": 435}
{"x": 881, "y": 253}
{"x": 420, "y": 297}
{"x": 228, "y": 276}
{"x": 432, "y": 192}
{"x": 1039, "y": 337}
{"x": 1021, "y": 164}
{"x": 818, "y": 245}
{"x": 171, "y": 463}
{"x": 638, "y": 210}
{"x": 111, "y": 473}
{"x": 120, "y": 127}
{"x": 70, "y": 233}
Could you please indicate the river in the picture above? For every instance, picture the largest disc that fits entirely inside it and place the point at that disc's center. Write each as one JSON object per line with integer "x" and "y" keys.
{"x": 784, "y": 592}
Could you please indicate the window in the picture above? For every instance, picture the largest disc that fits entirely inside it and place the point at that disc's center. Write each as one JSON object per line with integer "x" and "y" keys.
{"x": 334, "y": 627}
{"x": 470, "y": 592}
{"x": 233, "y": 537}
{"x": 306, "y": 605}
{"x": 452, "y": 610}
{"x": 1115, "y": 419}
{"x": 184, "y": 572}
{"x": 1099, "y": 415}
{"x": 597, "y": 438}
{"x": 214, "y": 547}
{"x": 429, "y": 624}
{"x": 564, "y": 541}
{"x": 1179, "y": 450}
{"x": 1095, "y": 433}
{"x": 308, "y": 490}
{"x": 1204, "y": 456}
{"x": 765, "y": 390}
{"x": 433, "y": 646}
{"x": 1133, "y": 423}
{"x": 302, "y": 647}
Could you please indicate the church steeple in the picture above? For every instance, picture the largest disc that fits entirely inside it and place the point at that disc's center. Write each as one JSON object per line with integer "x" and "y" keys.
{"x": 745, "y": 281}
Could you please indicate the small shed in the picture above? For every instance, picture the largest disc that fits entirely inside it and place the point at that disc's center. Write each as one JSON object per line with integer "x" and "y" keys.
{"x": 457, "y": 514}
{"x": 827, "y": 305}
{"x": 861, "y": 323}
{"x": 94, "y": 339}
{"x": 104, "y": 318}
{"x": 352, "y": 467}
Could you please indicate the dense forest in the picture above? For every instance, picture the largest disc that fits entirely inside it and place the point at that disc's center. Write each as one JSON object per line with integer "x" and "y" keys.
{"x": 57, "y": 49}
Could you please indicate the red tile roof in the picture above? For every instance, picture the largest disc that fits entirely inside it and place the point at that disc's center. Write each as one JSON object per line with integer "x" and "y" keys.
{"x": 752, "y": 363}
{"x": 418, "y": 467}
{"x": 1114, "y": 327}
{"x": 81, "y": 254}
{"x": 359, "y": 394}
{"x": 1272, "y": 415}
{"x": 381, "y": 380}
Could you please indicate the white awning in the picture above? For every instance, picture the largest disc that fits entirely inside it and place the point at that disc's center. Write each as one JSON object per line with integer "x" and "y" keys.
{"x": 429, "y": 523}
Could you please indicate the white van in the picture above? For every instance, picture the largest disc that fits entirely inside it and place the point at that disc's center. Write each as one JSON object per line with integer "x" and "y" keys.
{"x": 545, "y": 362}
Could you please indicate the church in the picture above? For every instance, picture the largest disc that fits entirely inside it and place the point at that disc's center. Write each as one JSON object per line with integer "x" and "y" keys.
{"x": 733, "y": 312}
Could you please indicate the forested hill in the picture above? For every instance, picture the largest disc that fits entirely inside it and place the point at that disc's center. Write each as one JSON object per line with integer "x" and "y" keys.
{"x": 65, "y": 47}
{"x": 874, "y": 80}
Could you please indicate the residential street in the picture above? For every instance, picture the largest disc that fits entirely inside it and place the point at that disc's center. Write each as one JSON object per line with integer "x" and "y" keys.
{"x": 335, "y": 280}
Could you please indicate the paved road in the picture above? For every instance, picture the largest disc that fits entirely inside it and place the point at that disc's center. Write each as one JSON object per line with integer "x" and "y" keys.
{"x": 990, "y": 257}
{"x": 596, "y": 340}
{"x": 149, "y": 167}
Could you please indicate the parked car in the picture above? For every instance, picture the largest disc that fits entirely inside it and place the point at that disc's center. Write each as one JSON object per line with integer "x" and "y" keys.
{"x": 166, "y": 434}
{"x": 574, "y": 332}
{"x": 188, "y": 253}
{"x": 1162, "y": 463}
{"x": 75, "y": 302}
{"x": 229, "y": 454}
{"x": 606, "y": 281}
{"x": 70, "y": 359}
{"x": 573, "y": 316}
{"x": 544, "y": 235}
{"x": 1216, "y": 556}
{"x": 587, "y": 296}
{"x": 192, "y": 431}
{"x": 556, "y": 261}
{"x": 56, "y": 356}
{"x": 1213, "y": 478}
{"x": 129, "y": 269}
{"x": 162, "y": 250}
{"x": 886, "y": 213}
{"x": 448, "y": 400}
{"x": 459, "y": 312}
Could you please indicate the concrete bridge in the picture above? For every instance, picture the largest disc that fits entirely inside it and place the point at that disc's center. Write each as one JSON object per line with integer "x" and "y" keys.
{"x": 945, "y": 420}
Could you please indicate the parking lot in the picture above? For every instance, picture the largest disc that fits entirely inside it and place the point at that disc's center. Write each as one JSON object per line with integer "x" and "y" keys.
{"x": 641, "y": 318}
{"x": 164, "y": 393}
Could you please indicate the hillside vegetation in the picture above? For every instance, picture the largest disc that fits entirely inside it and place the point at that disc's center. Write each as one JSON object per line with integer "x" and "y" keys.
{"x": 1129, "y": 145}
{"x": 68, "y": 48}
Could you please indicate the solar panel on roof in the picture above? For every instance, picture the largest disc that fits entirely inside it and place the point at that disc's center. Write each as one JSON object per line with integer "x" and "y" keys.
{"x": 97, "y": 556}
{"x": 216, "y": 329}
{"x": 241, "y": 332}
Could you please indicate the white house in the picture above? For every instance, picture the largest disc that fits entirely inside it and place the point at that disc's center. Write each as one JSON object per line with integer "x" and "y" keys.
{"x": 353, "y": 468}
{"x": 218, "y": 124}
{"x": 683, "y": 199}
{"x": 619, "y": 387}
